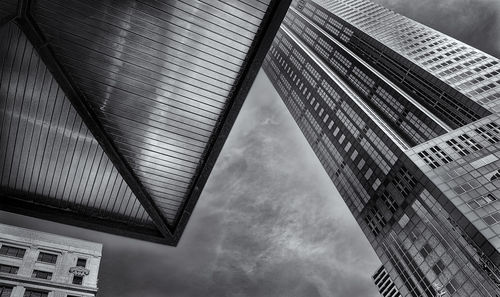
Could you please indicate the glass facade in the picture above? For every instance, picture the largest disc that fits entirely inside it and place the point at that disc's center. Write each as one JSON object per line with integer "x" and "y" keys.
{"x": 412, "y": 149}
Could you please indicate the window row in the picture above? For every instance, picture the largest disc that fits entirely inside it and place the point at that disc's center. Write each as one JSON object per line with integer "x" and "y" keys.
{"x": 492, "y": 218}
{"x": 435, "y": 157}
{"x": 6, "y": 291}
{"x": 462, "y": 145}
{"x": 481, "y": 201}
{"x": 17, "y": 252}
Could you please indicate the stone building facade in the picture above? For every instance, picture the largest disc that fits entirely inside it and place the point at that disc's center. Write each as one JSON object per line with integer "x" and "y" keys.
{"x": 37, "y": 264}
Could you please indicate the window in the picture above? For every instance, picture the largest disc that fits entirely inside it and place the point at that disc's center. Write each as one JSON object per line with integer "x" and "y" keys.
{"x": 471, "y": 143}
{"x": 458, "y": 147}
{"x": 330, "y": 125}
{"x": 35, "y": 293}
{"x": 489, "y": 132}
{"x": 361, "y": 164}
{"x": 464, "y": 145}
{"x": 438, "y": 152}
{"x": 47, "y": 258}
{"x": 375, "y": 221}
{"x": 389, "y": 202}
{"x": 492, "y": 218}
{"x": 495, "y": 175}
{"x": 41, "y": 274}
{"x": 8, "y": 269}
{"x": 12, "y": 251}
{"x": 77, "y": 280}
{"x": 438, "y": 267}
{"x": 81, "y": 262}
{"x": 481, "y": 201}
{"x": 403, "y": 221}
{"x": 452, "y": 286}
{"x": 429, "y": 159}
{"x": 404, "y": 182}
{"x": 426, "y": 250}
{"x": 466, "y": 187}
{"x": 5, "y": 291}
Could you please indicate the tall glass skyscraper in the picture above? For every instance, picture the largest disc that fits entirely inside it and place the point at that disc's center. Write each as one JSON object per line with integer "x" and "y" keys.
{"x": 406, "y": 122}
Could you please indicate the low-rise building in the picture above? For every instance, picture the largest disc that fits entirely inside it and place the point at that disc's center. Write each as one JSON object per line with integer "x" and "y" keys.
{"x": 38, "y": 264}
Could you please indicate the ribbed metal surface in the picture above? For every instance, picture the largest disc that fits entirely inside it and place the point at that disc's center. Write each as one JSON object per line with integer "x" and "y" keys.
{"x": 157, "y": 74}
{"x": 45, "y": 148}
{"x": 8, "y": 8}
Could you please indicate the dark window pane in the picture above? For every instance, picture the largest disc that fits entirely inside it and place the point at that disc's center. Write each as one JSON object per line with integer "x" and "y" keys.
{"x": 450, "y": 288}
{"x": 47, "y": 258}
{"x": 5, "y": 291}
{"x": 34, "y": 293}
{"x": 489, "y": 220}
{"x": 438, "y": 267}
{"x": 81, "y": 262}
{"x": 12, "y": 251}
{"x": 77, "y": 280}
{"x": 8, "y": 269}
{"x": 440, "y": 264}
{"x": 41, "y": 274}
{"x": 425, "y": 251}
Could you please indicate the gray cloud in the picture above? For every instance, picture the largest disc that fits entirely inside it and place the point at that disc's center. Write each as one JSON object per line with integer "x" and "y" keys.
{"x": 269, "y": 223}
{"x": 301, "y": 235}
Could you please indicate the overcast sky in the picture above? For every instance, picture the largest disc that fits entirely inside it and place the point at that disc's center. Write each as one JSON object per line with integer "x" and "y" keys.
{"x": 269, "y": 222}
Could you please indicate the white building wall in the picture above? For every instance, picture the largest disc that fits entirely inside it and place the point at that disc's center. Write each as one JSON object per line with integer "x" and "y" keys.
{"x": 68, "y": 250}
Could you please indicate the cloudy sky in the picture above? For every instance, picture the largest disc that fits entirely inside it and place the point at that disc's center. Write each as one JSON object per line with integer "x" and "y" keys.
{"x": 269, "y": 222}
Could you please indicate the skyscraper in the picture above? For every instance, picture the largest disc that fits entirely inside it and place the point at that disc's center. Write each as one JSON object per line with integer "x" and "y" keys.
{"x": 405, "y": 120}
{"x": 37, "y": 264}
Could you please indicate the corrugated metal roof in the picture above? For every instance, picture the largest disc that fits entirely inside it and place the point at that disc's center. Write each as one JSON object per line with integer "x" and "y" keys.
{"x": 157, "y": 74}
{"x": 8, "y": 9}
{"x": 119, "y": 109}
{"x": 45, "y": 148}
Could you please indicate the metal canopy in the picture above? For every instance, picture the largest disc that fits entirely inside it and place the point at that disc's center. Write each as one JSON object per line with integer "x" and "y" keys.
{"x": 114, "y": 112}
{"x": 8, "y": 10}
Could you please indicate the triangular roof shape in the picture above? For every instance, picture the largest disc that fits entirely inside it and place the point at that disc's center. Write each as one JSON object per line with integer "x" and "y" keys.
{"x": 119, "y": 109}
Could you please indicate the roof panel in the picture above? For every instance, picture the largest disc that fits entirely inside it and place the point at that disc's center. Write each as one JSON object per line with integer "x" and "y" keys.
{"x": 164, "y": 68}
{"x": 8, "y": 9}
{"x": 46, "y": 149}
